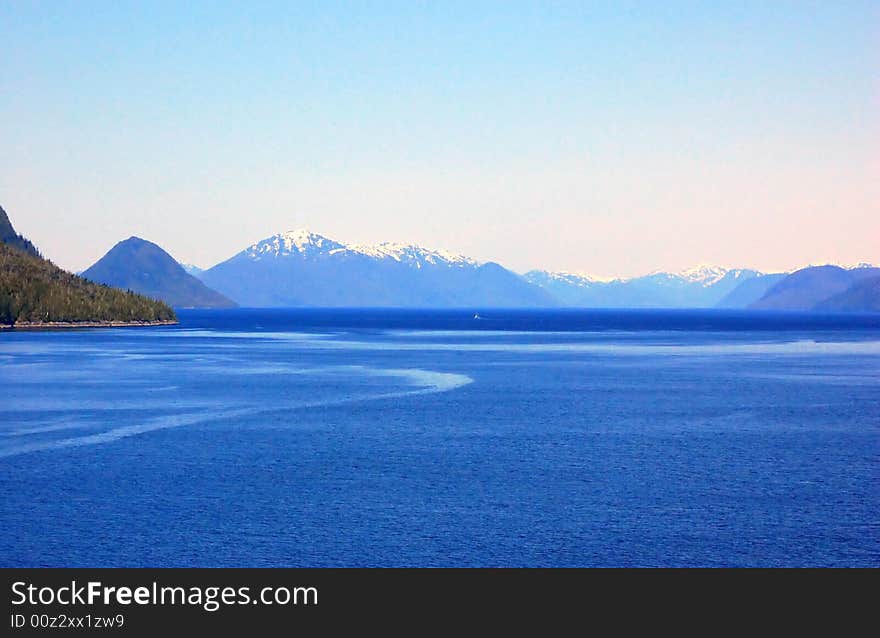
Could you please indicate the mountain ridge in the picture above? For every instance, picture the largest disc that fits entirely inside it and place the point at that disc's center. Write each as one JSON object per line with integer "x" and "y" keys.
{"x": 300, "y": 267}
{"x": 809, "y": 288}
{"x": 701, "y": 286}
{"x": 303, "y": 268}
{"x": 305, "y": 242}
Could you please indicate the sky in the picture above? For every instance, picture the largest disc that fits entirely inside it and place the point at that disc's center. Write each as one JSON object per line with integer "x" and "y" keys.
{"x": 611, "y": 138}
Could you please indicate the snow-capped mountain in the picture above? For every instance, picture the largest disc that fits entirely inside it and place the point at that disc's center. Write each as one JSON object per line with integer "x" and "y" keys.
{"x": 570, "y": 288}
{"x": 302, "y": 268}
{"x": 414, "y": 255}
{"x": 698, "y": 287}
{"x": 307, "y": 244}
{"x": 706, "y": 275}
{"x": 578, "y": 279}
{"x": 703, "y": 274}
{"x": 300, "y": 242}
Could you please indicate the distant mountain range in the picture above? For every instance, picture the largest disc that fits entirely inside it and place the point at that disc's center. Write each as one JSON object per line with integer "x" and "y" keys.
{"x": 301, "y": 268}
{"x": 141, "y": 266}
{"x": 829, "y": 288}
{"x": 700, "y": 287}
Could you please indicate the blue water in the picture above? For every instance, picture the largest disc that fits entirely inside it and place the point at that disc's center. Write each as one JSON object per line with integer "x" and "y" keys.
{"x": 416, "y": 438}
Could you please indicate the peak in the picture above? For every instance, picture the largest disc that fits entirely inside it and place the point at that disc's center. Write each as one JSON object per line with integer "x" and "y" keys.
{"x": 135, "y": 242}
{"x": 705, "y": 274}
{"x": 580, "y": 276}
{"x": 592, "y": 277}
{"x": 704, "y": 268}
{"x": 133, "y": 252}
{"x": 301, "y": 234}
{"x": 298, "y": 240}
{"x": 303, "y": 237}
{"x": 137, "y": 246}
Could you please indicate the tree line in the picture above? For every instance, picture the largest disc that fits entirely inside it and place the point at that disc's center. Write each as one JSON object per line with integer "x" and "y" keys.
{"x": 33, "y": 289}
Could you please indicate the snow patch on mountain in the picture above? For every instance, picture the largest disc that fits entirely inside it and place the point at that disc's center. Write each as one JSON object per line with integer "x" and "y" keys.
{"x": 306, "y": 243}
{"x": 412, "y": 254}
{"x": 580, "y": 279}
{"x": 299, "y": 241}
{"x": 703, "y": 274}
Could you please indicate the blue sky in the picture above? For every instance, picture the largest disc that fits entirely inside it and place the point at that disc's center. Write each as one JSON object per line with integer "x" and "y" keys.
{"x": 614, "y": 138}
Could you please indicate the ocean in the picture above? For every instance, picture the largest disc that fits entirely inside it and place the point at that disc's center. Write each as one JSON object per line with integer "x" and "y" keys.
{"x": 298, "y": 438}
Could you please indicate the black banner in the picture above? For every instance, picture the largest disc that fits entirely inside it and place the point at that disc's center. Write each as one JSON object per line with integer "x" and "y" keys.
{"x": 149, "y": 601}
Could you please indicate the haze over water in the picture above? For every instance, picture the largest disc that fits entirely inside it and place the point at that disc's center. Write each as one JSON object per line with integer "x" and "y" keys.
{"x": 417, "y": 438}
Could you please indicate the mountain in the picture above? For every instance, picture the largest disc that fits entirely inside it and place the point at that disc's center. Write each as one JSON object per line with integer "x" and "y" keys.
{"x": 9, "y": 237}
{"x": 710, "y": 286}
{"x": 192, "y": 269}
{"x": 863, "y": 296}
{"x": 301, "y": 268}
{"x": 808, "y": 287}
{"x": 699, "y": 287}
{"x": 142, "y": 266}
{"x": 570, "y": 289}
{"x": 750, "y": 290}
{"x": 33, "y": 290}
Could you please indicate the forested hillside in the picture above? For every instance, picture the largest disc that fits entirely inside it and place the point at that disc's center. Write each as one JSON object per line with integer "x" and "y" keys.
{"x": 34, "y": 290}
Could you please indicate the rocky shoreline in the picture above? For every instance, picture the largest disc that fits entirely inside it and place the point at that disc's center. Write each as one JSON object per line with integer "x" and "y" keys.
{"x": 56, "y": 325}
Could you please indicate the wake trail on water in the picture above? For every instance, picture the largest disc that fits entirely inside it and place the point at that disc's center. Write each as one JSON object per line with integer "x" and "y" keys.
{"x": 429, "y": 382}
